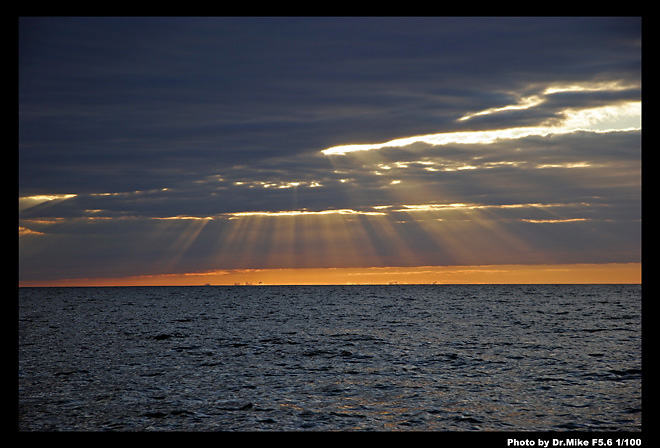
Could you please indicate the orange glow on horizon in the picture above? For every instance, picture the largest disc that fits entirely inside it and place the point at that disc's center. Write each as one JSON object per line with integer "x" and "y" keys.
{"x": 614, "y": 273}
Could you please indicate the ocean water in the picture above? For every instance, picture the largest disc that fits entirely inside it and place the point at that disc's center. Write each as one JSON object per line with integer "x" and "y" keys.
{"x": 330, "y": 358}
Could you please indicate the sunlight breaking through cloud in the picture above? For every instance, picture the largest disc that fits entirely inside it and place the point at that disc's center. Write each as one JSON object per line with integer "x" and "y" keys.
{"x": 618, "y": 117}
{"x": 528, "y": 102}
{"x": 524, "y": 103}
{"x": 32, "y": 201}
{"x": 301, "y": 213}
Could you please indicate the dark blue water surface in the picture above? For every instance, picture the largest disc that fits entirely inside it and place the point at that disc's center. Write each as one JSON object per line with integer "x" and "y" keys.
{"x": 331, "y": 358}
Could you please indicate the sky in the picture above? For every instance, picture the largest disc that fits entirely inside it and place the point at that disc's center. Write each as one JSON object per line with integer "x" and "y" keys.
{"x": 222, "y": 150}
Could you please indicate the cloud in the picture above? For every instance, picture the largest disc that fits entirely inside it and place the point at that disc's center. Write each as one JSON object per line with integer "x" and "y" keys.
{"x": 163, "y": 145}
{"x": 132, "y": 102}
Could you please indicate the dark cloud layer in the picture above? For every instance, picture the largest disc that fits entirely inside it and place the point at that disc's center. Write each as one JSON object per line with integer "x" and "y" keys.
{"x": 145, "y": 118}
{"x": 162, "y": 98}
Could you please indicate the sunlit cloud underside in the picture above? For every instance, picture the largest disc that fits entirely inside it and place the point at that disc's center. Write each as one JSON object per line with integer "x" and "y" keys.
{"x": 611, "y": 118}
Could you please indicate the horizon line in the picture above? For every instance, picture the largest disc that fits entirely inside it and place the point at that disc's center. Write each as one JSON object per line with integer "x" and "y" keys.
{"x": 327, "y": 284}
{"x": 567, "y": 273}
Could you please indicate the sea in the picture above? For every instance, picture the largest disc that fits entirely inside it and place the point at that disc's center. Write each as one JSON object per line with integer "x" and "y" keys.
{"x": 380, "y": 358}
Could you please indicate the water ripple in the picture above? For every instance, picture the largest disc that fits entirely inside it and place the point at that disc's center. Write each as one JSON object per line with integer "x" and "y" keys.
{"x": 367, "y": 358}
